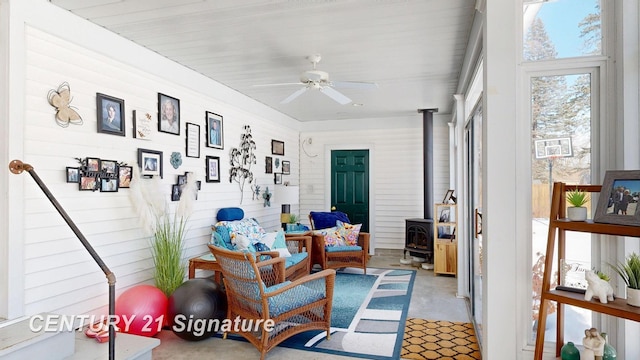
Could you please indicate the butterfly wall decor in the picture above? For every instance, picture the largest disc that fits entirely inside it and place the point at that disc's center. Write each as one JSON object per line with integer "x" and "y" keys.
{"x": 60, "y": 99}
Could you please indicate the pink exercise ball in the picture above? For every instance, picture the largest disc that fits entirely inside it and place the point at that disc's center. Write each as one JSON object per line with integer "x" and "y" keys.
{"x": 141, "y": 310}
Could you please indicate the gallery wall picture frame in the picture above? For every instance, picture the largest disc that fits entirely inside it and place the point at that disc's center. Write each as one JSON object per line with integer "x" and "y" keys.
{"x": 618, "y": 202}
{"x": 108, "y": 185}
{"x": 87, "y": 183}
{"x": 277, "y": 147}
{"x": 110, "y": 115}
{"x": 143, "y": 126}
{"x": 109, "y": 167}
{"x": 277, "y": 178}
{"x": 215, "y": 130}
{"x": 268, "y": 165}
{"x": 73, "y": 174}
{"x": 286, "y": 167}
{"x": 93, "y": 165}
{"x": 176, "y": 192}
{"x": 193, "y": 140}
{"x": 124, "y": 176}
{"x": 168, "y": 114}
{"x": 213, "y": 168}
{"x": 150, "y": 162}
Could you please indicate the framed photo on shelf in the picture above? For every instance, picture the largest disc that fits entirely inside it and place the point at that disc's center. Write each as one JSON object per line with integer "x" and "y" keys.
{"x": 168, "y": 114}
{"x": 124, "y": 176}
{"x": 277, "y": 178}
{"x": 213, "y": 169}
{"x": 618, "y": 200}
{"x": 142, "y": 125}
{"x": 268, "y": 165}
{"x": 110, "y": 114}
{"x": 286, "y": 167}
{"x": 215, "y": 134}
{"x": 150, "y": 162}
{"x": 193, "y": 140}
{"x": 277, "y": 147}
{"x": 448, "y": 196}
{"x": 73, "y": 174}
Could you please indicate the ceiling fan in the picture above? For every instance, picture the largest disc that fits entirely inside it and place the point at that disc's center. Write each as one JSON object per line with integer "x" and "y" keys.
{"x": 319, "y": 80}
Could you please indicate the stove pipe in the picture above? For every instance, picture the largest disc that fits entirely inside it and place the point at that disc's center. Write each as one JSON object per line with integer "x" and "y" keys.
{"x": 427, "y": 141}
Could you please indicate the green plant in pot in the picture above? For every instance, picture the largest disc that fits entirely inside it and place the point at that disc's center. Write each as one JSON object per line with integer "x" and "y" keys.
{"x": 629, "y": 271}
{"x": 577, "y": 211}
{"x": 293, "y": 221}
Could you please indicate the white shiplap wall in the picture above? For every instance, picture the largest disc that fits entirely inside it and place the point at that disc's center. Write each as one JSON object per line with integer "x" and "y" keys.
{"x": 60, "y": 276}
{"x": 396, "y": 165}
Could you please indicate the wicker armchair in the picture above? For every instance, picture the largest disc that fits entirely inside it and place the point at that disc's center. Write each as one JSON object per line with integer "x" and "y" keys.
{"x": 339, "y": 256}
{"x": 258, "y": 291}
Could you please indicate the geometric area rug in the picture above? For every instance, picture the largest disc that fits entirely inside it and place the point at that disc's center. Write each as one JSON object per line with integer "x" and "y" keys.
{"x": 368, "y": 315}
{"x": 429, "y": 339}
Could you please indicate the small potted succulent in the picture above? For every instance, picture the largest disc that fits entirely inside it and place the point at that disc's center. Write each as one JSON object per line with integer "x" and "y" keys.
{"x": 629, "y": 271}
{"x": 577, "y": 212}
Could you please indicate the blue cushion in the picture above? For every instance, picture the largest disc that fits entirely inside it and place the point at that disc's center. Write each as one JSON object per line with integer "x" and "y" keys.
{"x": 323, "y": 220}
{"x": 223, "y": 232}
{"x": 291, "y": 299}
{"x": 230, "y": 214}
{"x": 294, "y": 259}
{"x": 342, "y": 248}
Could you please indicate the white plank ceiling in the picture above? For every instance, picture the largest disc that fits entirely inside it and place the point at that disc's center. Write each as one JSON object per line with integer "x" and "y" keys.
{"x": 412, "y": 49}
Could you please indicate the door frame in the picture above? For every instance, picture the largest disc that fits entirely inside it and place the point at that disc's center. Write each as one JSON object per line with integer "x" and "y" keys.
{"x": 327, "y": 183}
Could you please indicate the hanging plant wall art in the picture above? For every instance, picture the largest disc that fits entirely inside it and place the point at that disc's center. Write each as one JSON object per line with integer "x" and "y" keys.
{"x": 241, "y": 160}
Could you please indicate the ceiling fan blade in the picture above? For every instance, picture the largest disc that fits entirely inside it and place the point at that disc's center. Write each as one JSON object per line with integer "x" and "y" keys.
{"x": 279, "y": 84}
{"x": 294, "y": 95}
{"x": 354, "y": 85}
{"x": 335, "y": 95}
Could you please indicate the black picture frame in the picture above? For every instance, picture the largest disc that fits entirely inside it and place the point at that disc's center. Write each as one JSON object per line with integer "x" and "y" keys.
{"x": 176, "y": 192}
{"x": 277, "y": 147}
{"x": 277, "y": 178}
{"x": 192, "y": 140}
{"x": 150, "y": 162}
{"x": 448, "y": 196}
{"x": 286, "y": 167}
{"x": 213, "y": 168}
{"x": 109, "y": 185}
{"x": 124, "y": 176}
{"x": 92, "y": 166}
{"x": 168, "y": 105}
{"x": 268, "y": 165}
{"x": 73, "y": 174}
{"x": 109, "y": 167}
{"x": 215, "y": 130}
{"x": 88, "y": 183}
{"x": 110, "y": 115}
{"x": 623, "y": 210}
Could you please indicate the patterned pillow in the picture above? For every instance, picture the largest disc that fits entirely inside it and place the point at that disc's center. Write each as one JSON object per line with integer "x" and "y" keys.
{"x": 247, "y": 227}
{"x": 348, "y": 232}
{"x": 331, "y": 236}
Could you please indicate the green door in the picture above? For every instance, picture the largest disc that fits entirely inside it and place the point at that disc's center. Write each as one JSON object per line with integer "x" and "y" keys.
{"x": 350, "y": 185}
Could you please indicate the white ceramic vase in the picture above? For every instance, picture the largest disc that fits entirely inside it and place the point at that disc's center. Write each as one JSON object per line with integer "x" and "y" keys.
{"x": 577, "y": 213}
{"x": 633, "y": 297}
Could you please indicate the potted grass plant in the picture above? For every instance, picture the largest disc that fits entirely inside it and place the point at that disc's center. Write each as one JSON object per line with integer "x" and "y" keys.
{"x": 629, "y": 271}
{"x": 577, "y": 211}
{"x": 166, "y": 225}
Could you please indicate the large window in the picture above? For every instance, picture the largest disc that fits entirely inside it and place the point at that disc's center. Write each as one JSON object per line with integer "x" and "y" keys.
{"x": 562, "y": 53}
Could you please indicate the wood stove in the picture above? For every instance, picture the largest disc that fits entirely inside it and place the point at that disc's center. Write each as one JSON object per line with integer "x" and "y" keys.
{"x": 419, "y": 238}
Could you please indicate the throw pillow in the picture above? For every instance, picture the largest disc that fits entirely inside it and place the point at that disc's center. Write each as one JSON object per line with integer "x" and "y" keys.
{"x": 223, "y": 232}
{"x": 331, "y": 236}
{"x": 324, "y": 220}
{"x": 349, "y": 232}
{"x": 276, "y": 242}
{"x": 230, "y": 214}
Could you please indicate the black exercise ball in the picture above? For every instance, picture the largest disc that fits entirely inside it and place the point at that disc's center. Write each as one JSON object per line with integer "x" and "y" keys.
{"x": 194, "y": 308}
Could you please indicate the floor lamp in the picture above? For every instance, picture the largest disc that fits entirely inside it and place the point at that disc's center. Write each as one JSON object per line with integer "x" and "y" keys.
{"x": 286, "y": 195}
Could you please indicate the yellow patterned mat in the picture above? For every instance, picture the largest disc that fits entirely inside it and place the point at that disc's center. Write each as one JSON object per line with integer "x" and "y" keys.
{"x": 429, "y": 339}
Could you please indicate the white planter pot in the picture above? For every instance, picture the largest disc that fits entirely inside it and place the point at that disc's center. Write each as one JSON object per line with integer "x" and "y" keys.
{"x": 633, "y": 297}
{"x": 577, "y": 213}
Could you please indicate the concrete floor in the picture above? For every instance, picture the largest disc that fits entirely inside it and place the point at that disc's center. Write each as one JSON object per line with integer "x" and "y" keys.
{"x": 433, "y": 298}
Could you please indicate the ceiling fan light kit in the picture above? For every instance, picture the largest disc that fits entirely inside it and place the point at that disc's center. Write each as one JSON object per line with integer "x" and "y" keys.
{"x": 319, "y": 80}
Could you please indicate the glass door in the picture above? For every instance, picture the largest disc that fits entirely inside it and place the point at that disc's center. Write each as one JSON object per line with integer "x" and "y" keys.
{"x": 473, "y": 154}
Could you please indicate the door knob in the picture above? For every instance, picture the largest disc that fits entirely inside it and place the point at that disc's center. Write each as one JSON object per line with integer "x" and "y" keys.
{"x": 333, "y": 208}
